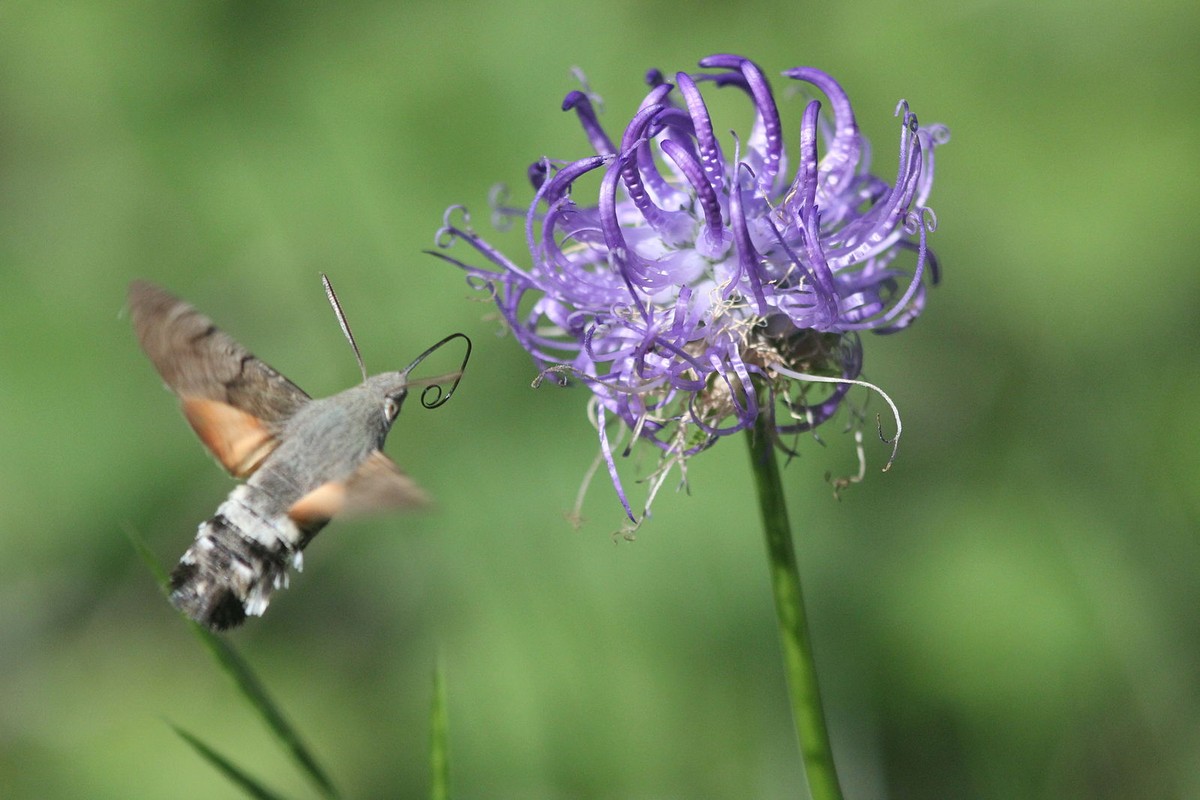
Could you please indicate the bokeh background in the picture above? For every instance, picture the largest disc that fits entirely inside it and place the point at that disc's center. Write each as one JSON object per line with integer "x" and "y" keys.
{"x": 1011, "y": 612}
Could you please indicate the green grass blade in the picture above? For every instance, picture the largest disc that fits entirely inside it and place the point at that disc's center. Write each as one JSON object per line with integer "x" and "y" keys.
{"x": 439, "y": 748}
{"x": 245, "y": 679}
{"x": 147, "y": 557}
{"x": 254, "y": 691}
{"x": 235, "y": 774}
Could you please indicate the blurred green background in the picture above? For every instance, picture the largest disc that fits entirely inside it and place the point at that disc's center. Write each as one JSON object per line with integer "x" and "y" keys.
{"x": 1009, "y": 613}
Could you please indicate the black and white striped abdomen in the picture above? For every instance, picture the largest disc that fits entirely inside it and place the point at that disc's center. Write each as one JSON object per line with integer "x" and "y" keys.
{"x": 240, "y": 556}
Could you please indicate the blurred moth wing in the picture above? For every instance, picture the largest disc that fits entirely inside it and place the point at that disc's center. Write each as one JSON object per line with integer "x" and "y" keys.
{"x": 236, "y": 403}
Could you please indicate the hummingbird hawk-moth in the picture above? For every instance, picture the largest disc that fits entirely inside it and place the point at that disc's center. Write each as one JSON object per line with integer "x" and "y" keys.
{"x": 303, "y": 460}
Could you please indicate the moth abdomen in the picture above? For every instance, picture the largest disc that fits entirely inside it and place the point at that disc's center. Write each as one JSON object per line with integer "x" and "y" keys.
{"x": 239, "y": 558}
{"x": 217, "y": 607}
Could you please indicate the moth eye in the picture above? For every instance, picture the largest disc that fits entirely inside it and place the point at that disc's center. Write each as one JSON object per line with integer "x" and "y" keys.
{"x": 390, "y": 409}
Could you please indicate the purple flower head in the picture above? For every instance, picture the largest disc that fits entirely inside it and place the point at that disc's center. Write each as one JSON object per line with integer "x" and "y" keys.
{"x": 707, "y": 284}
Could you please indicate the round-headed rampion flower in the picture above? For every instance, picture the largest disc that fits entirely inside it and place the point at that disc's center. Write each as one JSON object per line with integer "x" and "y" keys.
{"x": 704, "y": 287}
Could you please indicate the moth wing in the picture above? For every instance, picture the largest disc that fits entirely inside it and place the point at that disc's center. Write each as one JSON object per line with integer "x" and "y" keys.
{"x": 236, "y": 403}
{"x": 380, "y": 485}
{"x": 377, "y": 485}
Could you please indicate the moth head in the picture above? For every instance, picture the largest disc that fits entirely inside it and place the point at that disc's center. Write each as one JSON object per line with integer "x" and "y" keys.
{"x": 394, "y": 386}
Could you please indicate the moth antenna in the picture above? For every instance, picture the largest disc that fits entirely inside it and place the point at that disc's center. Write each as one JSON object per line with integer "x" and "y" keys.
{"x": 341, "y": 317}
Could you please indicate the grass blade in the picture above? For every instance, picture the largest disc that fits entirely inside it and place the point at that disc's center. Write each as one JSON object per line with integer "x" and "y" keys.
{"x": 147, "y": 557}
{"x": 245, "y": 679}
{"x": 254, "y": 691}
{"x": 439, "y": 747}
{"x": 235, "y": 774}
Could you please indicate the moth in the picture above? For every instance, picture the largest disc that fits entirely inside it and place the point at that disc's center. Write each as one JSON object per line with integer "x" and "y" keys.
{"x": 304, "y": 460}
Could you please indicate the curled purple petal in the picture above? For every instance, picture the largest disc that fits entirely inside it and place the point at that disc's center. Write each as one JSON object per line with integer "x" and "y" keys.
{"x": 582, "y": 105}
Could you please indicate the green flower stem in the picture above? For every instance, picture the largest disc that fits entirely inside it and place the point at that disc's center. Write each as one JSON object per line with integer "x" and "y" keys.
{"x": 793, "y": 625}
